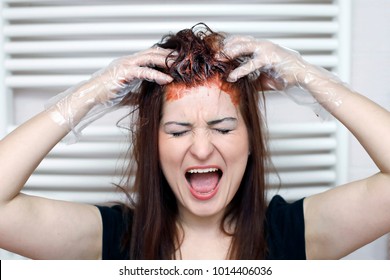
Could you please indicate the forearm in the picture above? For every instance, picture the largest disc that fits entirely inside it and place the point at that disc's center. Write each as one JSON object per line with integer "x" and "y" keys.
{"x": 367, "y": 121}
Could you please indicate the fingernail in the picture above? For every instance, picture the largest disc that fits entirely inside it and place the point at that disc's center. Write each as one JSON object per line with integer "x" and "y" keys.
{"x": 164, "y": 81}
{"x": 231, "y": 80}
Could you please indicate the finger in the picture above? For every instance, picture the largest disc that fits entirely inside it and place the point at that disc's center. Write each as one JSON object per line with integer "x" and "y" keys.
{"x": 237, "y": 74}
{"x": 241, "y": 49}
{"x": 239, "y": 46}
{"x": 153, "y": 75}
{"x": 155, "y": 50}
{"x": 251, "y": 66}
{"x": 149, "y": 59}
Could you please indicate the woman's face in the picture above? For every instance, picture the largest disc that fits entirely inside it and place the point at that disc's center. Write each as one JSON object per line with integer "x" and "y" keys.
{"x": 203, "y": 148}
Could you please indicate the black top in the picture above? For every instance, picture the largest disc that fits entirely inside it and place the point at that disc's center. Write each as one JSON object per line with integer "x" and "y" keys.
{"x": 284, "y": 227}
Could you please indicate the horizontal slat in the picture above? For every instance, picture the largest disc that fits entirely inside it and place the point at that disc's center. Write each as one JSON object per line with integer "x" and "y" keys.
{"x": 170, "y": 10}
{"x": 73, "y": 182}
{"x": 300, "y": 178}
{"x": 94, "y": 63}
{"x": 293, "y": 194}
{"x": 80, "y": 166}
{"x": 88, "y": 150}
{"x": 31, "y": 81}
{"x": 302, "y": 145}
{"x": 94, "y": 198}
{"x": 278, "y": 130}
{"x": 71, "y": 46}
{"x": 104, "y": 132}
{"x": 96, "y": 134}
{"x": 32, "y": 47}
{"x": 327, "y": 61}
{"x": 304, "y": 161}
{"x": 39, "y": 64}
{"x": 112, "y": 28}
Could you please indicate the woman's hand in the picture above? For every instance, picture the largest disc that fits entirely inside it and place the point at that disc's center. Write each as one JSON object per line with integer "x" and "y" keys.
{"x": 82, "y": 104}
{"x": 125, "y": 74}
{"x": 278, "y": 68}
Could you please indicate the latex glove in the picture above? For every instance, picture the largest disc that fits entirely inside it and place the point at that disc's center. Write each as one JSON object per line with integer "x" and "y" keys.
{"x": 279, "y": 68}
{"x": 82, "y": 104}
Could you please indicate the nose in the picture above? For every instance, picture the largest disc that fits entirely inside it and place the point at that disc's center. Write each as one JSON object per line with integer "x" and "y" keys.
{"x": 202, "y": 146}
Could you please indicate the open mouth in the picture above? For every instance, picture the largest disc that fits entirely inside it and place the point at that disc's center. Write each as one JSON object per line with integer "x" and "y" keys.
{"x": 203, "y": 181}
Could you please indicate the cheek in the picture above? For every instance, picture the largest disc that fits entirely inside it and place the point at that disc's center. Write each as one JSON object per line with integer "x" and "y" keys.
{"x": 164, "y": 150}
{"x": 235, "y": 146}
{"x": 171, "y": 153}
{"x": 236, "y": 152}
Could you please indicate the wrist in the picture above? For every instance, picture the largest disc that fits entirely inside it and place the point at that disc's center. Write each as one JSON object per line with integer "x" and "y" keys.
{"x": 325, "y": 87}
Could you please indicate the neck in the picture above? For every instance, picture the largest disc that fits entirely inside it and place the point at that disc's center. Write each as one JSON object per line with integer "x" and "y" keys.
{"x": 205, "y": 224}
{"x": 202, "y": 237}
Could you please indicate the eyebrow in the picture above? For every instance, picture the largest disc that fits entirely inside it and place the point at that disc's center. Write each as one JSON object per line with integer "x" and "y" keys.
{"x": 177, "y": 123}
{"x": 211, "y": 123}
{"x": 228, "y": 119}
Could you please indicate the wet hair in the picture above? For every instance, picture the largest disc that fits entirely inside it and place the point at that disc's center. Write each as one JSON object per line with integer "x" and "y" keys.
{"x": 197, "y": 55}
{"x": 153, "y": 232}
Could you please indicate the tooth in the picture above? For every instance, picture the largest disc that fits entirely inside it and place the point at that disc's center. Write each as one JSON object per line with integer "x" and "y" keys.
{"x": 203, "y": 170}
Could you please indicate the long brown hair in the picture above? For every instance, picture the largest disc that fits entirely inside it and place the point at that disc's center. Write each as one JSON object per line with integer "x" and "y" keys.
{"x": 152, "y": 233}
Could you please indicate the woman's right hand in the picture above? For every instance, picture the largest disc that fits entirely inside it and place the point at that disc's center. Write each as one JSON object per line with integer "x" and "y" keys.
{"x": 125, "y": 74}
{"x": 82, "y": 104}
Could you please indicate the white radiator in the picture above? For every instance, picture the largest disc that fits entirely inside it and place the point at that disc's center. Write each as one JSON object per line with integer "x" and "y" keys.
{"x": 48, "y": 46}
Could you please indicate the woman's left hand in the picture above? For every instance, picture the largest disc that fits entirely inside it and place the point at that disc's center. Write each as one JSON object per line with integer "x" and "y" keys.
{"x": 278, "y": 68}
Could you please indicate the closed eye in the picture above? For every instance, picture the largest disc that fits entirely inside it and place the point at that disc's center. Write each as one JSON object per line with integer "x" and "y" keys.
{"x": 224, "y": 125}
{"x": 177, "y": 129}
{"x": 179, "y": 133}
{"x": 222, "y": 131}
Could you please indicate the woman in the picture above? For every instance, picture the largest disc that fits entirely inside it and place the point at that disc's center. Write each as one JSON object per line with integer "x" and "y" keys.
{"x": 199, "y": 134}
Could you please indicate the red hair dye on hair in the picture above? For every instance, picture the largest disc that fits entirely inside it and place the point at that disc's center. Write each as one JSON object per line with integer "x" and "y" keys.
{"x": 197, "y": 60}
{"x": 175, "y": 91}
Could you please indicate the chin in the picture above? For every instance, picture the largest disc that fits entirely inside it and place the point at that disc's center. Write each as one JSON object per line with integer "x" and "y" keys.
{"x": 206, "y": 209}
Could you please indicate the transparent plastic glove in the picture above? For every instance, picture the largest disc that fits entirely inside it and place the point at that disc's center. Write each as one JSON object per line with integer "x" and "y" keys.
{"x": 283, "y": 69}
{"x": 82, "y": 104}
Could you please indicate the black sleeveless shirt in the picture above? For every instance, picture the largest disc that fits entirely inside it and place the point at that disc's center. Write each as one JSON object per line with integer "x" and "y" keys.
{"x": 285, "y": 230}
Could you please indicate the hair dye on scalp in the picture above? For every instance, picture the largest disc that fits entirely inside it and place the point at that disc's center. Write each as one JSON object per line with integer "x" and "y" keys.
{"x": 175, "y": 91}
